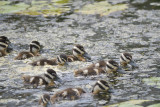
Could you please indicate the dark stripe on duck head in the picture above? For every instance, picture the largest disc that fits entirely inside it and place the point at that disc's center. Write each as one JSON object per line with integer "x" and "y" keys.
{"x": 3, "y": 46}
{"x": 109, "y": 66}
{"x": 77, "y": 51}
{"x": 104, "y": 83}
{"x": 48, "y": 76}
{"x": 114, "y": 63}
{"x": 100, "y": 86}
{"x": 122, "y": 58}
{"x": 128, "y": 56}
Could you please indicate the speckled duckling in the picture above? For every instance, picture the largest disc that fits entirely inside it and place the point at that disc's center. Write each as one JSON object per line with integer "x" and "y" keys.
{"x": 102, "y": 91}
{"x": 4, "y": 43}
{"x": 47, "y": 79}
{"x": 125, "y": 59}
{"x": 34, "y": 51}
{"x": 6, "y": 39}
{"x": 101, "y": 86}
{"x": 99, "y": 67}
{"x": 60, "y": 60}
{"x": 78, "y": 54}
{"x": 67, "y": 94}
{"x": 3, "y": 47}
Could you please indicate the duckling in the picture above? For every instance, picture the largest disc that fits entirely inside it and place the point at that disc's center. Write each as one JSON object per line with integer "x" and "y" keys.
{"x": 99, "y": 67}
{"x": 79, "y": 54}
{"x": 102, "y": 91}
{"x": 9, "y": 48}
{"x": 126, "y": 59}
{"x": 5, "y": 39}
{"x": 3, "y": 47}
{"x": 34, "y": 80}
{"x": 60, "y": 60}
{"x": 34, "y": 51}
{"x": 67, "y": 94}
{"x": 51, "y": 75}
{"x": 88, "y": 71}
{"x": 101, "y": 86}
{"x": 47, "y": 79}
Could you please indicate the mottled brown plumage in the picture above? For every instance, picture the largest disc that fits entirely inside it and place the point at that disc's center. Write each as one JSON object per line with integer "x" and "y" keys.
{"x": 78, "y": 54}
{"x": 34, "y": 51}
{"x": 60, "y": 60}
{"x": 47, "y": 79}
{"x": 67, "y": 94}
{"x": 43, "y": 62}
{"x": 35, "y": 81}
{"x": 89, "y": 71}
{"x": 44, "y": 100}
{"x": 109, "y": 66}
{"x": 126, "y": 59}
{"x": 3, "y": 45}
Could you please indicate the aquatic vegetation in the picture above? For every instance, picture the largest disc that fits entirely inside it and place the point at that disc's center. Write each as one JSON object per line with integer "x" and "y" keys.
{"x": 154, "y": 105}
{"x": 55, "y": 7}
{"x": 7, "y": 8}
{"x": 45, "y": 8}
{"x": 131, "y": 103}
{"x": 152, "y": 81}
{"x": 102, "y": 8}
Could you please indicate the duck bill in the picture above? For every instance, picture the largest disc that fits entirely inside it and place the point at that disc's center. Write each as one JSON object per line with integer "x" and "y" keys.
{"x": 111, "y": 90}
{"x": 66, "y": 63}
{"x": 87, "y": 56}
{"x": 59, "y": 80}
{"x": 120, "y": 70}
{"x": 8, "y": 42}
{"x": 133, "y": 64}
{"x": 9, "y": 48}
{"x": 49, "y": 104}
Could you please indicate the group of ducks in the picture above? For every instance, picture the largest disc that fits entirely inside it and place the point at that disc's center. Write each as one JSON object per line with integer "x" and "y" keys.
{"x": 78, "y": 54}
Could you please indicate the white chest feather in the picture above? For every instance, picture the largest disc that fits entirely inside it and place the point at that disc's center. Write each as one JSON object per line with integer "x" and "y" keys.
{"x": 85, "y": 71}
{"x": 40, "y": 81}
{"x": 97, "y": 71}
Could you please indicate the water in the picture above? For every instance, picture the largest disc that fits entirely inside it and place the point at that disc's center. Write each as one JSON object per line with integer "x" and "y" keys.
{"x": 134, "y": 30}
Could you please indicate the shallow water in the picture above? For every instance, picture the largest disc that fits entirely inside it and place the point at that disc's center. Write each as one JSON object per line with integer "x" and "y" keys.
{"x": 134, "y": 30}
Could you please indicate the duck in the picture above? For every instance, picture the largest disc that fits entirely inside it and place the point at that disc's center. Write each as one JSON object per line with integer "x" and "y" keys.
{"x": 125, "y": 59}
{"x": 51, "y": 75}
{"x": 101, "y": 86}
{"x": 102, "y": 91}
{"x": 100, "y": 67}
{"x": 7, "y": 41}
{"x": 47, "y": 79}
{"x": 78, "y": 54}
{"x": 35, "y": 81}
{"x": 59, "y": 60}
{"x": 3, "y": 47}
{"x": 34, "y": 51}
{"x": 66, "y": 94}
